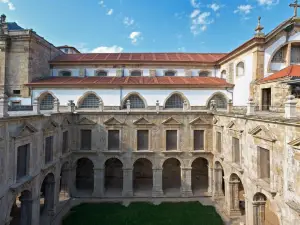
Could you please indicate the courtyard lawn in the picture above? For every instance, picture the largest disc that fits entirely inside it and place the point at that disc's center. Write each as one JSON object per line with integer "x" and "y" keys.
{"x": 190, "y": 213}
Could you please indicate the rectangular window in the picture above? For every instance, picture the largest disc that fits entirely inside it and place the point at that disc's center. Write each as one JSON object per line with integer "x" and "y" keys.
{"x": 86, "y": 139}
{"x": 65, "y": 142}
{"x": 113, "y": 140}
{"x": 142, "y": 140}
{"x": 16, "y": 92}
{"x": 171, "y": 140}
{"x": 48, "y": 149}
{"x": 236, "y": 150}
{"x": 219, "y": 142}
{"x": 264, "y": 164}
{"x": 22, "y": 161}
{"x": 295, "y": 54}
{"x": 198, "y": 140}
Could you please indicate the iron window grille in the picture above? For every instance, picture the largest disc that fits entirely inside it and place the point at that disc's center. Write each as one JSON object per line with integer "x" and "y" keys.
{"x": 174, "y": 102}
{"x": 47, "y": 102}
{"x": 90, "y": 101}
{"x": 135, "y": 102}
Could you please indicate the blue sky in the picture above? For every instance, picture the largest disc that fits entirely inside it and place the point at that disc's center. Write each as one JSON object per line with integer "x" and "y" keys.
{"x": 147, "y": 25}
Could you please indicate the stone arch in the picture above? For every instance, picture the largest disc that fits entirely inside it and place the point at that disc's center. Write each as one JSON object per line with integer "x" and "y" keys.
{"x": 47, "y": 196}
{"x": 237, "y": 195}
{"x": 219, "y": 174}
{"x": 199, "y": 175}
{"x": 46, "y": 100}
{"x": 21, "y": 209}
{"x": 183, "y": 97}
{"x": 84, "y": 176}
{"x": 142, "y": 177}
{"x": 113, "y": 178}
{"x": 218, "y": 93}
{"x": 85, "y": 95}
{"x": 64, "y": 189}
{"x": 171, "y": 177}
{"x": 124, "y": 100}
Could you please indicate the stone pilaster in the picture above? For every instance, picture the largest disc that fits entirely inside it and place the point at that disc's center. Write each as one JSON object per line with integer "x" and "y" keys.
{"x": 35, "y": 211}
{"x": 152, "y": 73}
{"x": 3, "y": 105}
{"x": 288, "y": 55}
{"x": 98, "y": 182}
{"x": 127, "y": 182}
{"x": 157, "y": 190}
{"x": 26, "y": 211}
{"x": 233, "y": 209}
{"x": 210, "y": 180}
{"x": 217, "y": 184}
{"x": 186, "y": 183}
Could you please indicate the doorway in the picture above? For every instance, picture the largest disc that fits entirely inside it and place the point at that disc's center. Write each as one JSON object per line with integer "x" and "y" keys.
{"x": 266, "y": 99}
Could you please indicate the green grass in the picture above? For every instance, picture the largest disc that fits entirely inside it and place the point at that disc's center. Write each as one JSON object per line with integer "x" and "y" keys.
{"x": 191, "y": 213}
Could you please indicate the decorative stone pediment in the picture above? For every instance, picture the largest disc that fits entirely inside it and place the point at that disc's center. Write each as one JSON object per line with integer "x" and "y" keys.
{"x": 25, "y": 130}
{"x": 112, "y": 122}
{"x": 171, "y": 121}
{"x": 232, "y": 126}
{"x": 65, "y": 122}
{"x": 50, "y": 126}
{"x": 142, "y": 121}
{"x": 198, "y": 121}
{"x": 295, "y": 143}
{"x": 85, "y": 121}
{"x": 264, "y": 133}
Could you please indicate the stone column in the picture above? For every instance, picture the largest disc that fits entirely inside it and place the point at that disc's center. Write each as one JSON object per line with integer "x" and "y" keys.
{"x": 250, "y": 107}
{"x": 98, "y": 182}
{"x": 259, "y": 212}
{"x": 71, "y": 106}
{"x": 229, "y": 106}
{"x": 128, "y": 106}
{"x": 56, "y": 105}
{"x": 186, "y": 182}
{"x": 290, "y": 107}
{"x": 210, "y": 180}
{"x": 36, "y": 106}
{"x": 3, "y": 105}
{"x": 157, "y": 190}
{"x": 217, "y": 184}
{"x": 234, "y": 209}
{"x": 35, "y": 211}
{"x": 72, "y": 182}
{"x": 26, "y": 211}
{"x": 127, "y": 182}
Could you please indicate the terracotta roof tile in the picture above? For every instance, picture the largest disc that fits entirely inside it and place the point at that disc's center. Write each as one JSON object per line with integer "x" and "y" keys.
{"x": 131, "y": 81}
{"x": 288, "y": 72}
{"x": 139, "y": 57}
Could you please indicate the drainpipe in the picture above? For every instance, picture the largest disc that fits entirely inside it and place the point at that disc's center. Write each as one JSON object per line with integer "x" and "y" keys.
{"x": 231, "y": 92}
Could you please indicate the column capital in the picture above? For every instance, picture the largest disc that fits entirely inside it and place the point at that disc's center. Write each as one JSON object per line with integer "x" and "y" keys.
{"x": 102, "y": 168}
{"x": 186, "y": 168}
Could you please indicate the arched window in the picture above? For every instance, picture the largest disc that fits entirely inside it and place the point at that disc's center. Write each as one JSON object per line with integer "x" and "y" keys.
{"x": 220, "y": 100}
{"x": 174, "y": 102}
{"x": 90, "y": 101}
{"x": 278, "y": 57}
{"x": 203, "y": 74}
{"x": 170, "y": 73}
{"x": 223, "y": 74}
{"x": 101, "y": 73}
{"x": 135, "y": 102}
{"x": 47, "y": 102}
{"x": 240, "y": 69}
{"x": 136, "y": 73}
{"x": 65, "y": 73}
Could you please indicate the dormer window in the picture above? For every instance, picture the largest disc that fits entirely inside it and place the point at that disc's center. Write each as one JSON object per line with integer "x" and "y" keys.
{"x": 204, "y": 74}
{"x": 101, "y": 73}
{"x": 170, "y": 73}
{"x": 65, "y": 73}
{"x": 136, "y": 73}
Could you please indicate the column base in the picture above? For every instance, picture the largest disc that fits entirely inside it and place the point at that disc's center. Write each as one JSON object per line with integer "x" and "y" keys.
{"x": 157, "y": 193}
{"x": 186, "y": 193}
{"x": 127, "y": 193}
{"x": 234, "y": 213}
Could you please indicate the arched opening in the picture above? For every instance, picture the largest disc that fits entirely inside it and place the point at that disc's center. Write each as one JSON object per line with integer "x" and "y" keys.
{"x": 223, "y": 74}
{"x": 113, "y": 177}
{"x": 240, "y": 69}
{"x": 171, "y": 177}
{"x": 219, "y": 180}
{"x": 142, "y": 177}
{"x": 64, "y": 192}
{"x": 47, "y": 195}
{"x": 89, "y": 101}
{"x": 136, "y": 73}
{"x": 220, "y": 100}
{"x": 199, "y": 176}
{"x": 85, "y": 176}
{"x": 263, "y": 211}
{"x": 135, "y": 102}
{"x": 20, "y": 213}
{"x": 65, "y": 73}
{"x": 204, "y": 74}
{"x": 101, "y": 73}
{"x": 47, "y": 102}
{"x": 174, "y": 102}
{"x": 170, "y": 73}
{"x": 237, "y": 198}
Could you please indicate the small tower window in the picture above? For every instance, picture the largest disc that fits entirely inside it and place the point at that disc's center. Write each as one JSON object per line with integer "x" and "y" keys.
{"x": 136, "y": 73}
{"x": 240, "y": 69}
{"x": 65, "y": 73}
{"x": 170, "y": 73}
{"x": 204, "y": 74}
{"x": 101, "y": 73}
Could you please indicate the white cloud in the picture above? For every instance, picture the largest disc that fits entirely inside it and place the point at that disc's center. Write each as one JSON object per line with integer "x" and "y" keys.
{"x": 215, "y": 7}
{"x": 243, "y": 9}
{"x": 110, "y": 12}
{"x": 195, "y": 3}
{"x": 200, "y": 22}
{"x": 135, "y": 37}
{"x": 128, "y": 21}
{"x": 268, "y": 2}
{"x": 101, "y": 3}
{"x": 108, "y": 49}
{"x": 195, "y": 13}
{"x": 9, "y": 4}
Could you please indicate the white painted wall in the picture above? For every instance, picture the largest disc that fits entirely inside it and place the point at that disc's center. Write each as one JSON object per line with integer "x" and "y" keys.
{"x": 112, "y": 97}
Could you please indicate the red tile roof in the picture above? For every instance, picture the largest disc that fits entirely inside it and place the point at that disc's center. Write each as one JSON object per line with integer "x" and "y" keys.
{"x": 131, "y": 81}
{"x": 139, "y": 57}
{"x": 288, "y": 72}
